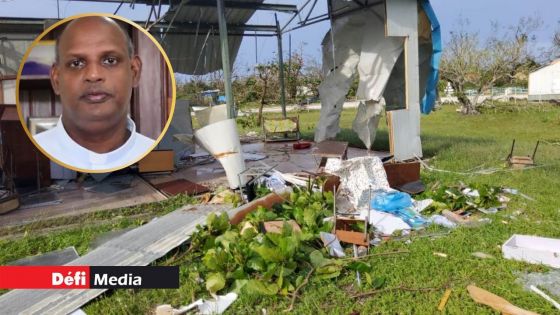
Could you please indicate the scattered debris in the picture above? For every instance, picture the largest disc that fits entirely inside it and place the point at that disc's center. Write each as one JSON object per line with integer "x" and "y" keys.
{"x": 496, "y": 302}
{"x": 440, "y": 254}
{"x": 385, "y": 223}
{"x": 404, "y": 176}
{"x": 138, "y": 247}
{"x": 205, "y": 307}
{"x": 352, "y": 230}
{"x": 226, "y": 148}
{"x": 533, "y": 249}
{"x": 444, "y": 300}
{"x": 331, "y": 242}
{"x": 253, "y": 156}
{"x": 302, "y": 145}
{"x": 358, "y": 176}
{"x": 548, "y": 280}
{"x": 442, "y": 221}
{"x": 400, "y": 205}
{"x": 330, "y": 149}
{"x": 516, "y": 192}
{"x": 545, "y": 296}
{"x": 519, "y": 162}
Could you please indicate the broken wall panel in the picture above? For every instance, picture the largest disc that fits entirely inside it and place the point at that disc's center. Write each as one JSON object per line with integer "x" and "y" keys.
{"x": 402, "y": 21}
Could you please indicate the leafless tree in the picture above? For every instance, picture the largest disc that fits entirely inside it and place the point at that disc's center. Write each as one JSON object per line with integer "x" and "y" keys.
{"x": 468, "y": 62}
{"x": 267, "y": 73}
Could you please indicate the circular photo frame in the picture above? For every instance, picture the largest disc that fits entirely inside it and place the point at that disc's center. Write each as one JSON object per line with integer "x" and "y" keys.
{"x": 95, "y": 93}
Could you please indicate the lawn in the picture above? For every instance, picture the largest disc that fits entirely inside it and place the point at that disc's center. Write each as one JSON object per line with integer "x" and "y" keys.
{"x": 451, "y": 142}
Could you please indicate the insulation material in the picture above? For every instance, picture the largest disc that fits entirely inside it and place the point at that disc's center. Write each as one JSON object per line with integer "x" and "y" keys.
{"x": 357, "y": 175}
{"x": 366, "y": 121}
{"x": 372, "y": 56}
{"x": 226, "y": 148}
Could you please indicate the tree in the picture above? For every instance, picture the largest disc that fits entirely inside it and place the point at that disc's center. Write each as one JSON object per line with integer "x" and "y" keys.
{"x": 556, "y": 43}
{"x": 293, "y": 72}
{"x": 466, "y": 62}
{"x": 267, "y": 73}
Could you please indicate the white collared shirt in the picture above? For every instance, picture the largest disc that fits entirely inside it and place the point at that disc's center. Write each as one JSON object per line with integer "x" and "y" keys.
{"x": 58, "y": 144}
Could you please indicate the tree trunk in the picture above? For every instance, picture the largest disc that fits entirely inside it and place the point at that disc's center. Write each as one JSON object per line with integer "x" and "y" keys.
{"x": 467, "y": 107}
{"x": 263, "y": 97}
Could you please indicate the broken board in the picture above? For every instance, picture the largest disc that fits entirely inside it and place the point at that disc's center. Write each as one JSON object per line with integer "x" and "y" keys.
{"x": 138, "y": 247}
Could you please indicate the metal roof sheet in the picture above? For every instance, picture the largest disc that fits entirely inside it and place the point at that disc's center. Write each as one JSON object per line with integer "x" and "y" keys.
{"x": 200, "y": 53}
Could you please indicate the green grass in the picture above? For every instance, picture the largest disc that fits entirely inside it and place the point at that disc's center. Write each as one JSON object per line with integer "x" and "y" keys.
{"x": 451, "y": 142}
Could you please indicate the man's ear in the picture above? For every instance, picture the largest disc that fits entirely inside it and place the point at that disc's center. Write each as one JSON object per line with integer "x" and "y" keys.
{"x": 54, "y": 78}
{"x": 136, "y": 67}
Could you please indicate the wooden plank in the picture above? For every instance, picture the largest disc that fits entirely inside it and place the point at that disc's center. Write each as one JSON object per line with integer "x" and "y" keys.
{"x": 402, "y": 20}
{"x": 138, "y": 247}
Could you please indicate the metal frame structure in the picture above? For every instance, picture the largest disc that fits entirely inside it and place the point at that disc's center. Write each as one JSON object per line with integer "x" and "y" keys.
{"x": 306, "y": 13}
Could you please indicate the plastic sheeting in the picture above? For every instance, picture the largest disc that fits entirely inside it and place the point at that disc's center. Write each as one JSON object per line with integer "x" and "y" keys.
{"x": 366, "y": 121}
{"x": 362, "y": 47}
{"x": 369, "y": 53}
{"x": 431, "y": 90}
{"x": 549, "y": 281}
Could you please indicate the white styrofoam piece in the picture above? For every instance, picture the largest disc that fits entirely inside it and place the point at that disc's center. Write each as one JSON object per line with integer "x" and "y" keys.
{"x": 221, "y": 139}
{"x": 533, "y": 249}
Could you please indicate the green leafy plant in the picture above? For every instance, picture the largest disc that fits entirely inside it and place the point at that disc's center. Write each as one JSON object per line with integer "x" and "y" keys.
{"x": 239, "y": 257}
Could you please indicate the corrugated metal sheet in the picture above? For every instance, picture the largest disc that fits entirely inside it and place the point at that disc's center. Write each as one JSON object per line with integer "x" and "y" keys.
{"x": 193, "y": 54}
{"x": 138, "y": 247}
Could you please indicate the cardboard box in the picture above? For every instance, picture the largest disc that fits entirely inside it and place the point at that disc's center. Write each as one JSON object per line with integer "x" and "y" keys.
{"x": 533, "y": 249}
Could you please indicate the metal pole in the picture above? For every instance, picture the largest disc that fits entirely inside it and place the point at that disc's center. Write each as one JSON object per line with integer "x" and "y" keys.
{"x": 281, "y": 68}
{"x": 225, "y": 58}
{"x": 289, "y": 72}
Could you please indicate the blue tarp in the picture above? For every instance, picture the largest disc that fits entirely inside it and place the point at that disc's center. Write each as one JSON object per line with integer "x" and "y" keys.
{"x": 429, "y": 99}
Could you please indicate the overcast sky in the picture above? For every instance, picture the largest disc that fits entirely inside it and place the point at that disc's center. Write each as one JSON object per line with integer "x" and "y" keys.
{"x": 480, "y": 14}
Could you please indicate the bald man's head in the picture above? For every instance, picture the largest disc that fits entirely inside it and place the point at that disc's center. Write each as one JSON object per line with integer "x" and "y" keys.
{"x": 119, "y": 27}
{"x": 94, "y": 75}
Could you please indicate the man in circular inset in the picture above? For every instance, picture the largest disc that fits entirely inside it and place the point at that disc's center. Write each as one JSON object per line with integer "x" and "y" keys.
{"x": 94, "y": 72}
